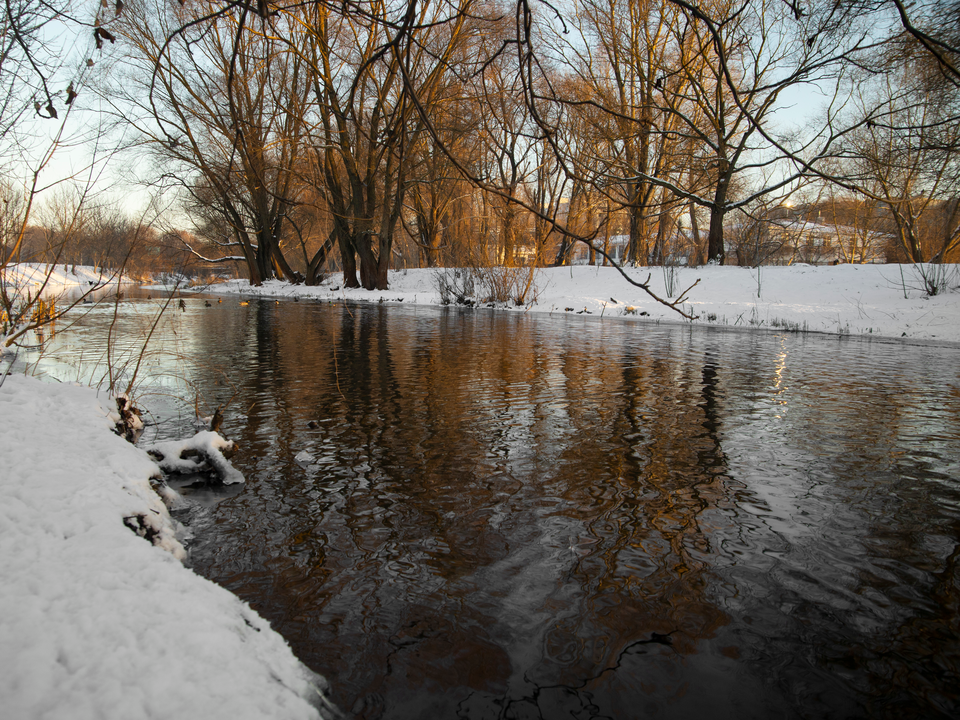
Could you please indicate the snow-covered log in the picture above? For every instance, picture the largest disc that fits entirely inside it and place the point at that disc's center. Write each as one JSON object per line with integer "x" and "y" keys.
{"x": 205, "y": 451}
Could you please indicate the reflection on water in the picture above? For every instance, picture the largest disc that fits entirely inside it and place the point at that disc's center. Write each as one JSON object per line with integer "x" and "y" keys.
{"x": 466, "y": 514}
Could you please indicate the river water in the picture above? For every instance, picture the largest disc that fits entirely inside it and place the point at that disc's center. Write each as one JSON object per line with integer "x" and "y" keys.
{"x": 459, "y": 513}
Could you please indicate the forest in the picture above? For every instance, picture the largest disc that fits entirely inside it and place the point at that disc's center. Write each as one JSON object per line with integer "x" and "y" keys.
{"x": 293, "y": 139}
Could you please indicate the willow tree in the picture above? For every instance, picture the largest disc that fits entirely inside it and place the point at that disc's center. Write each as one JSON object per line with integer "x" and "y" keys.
{"x": 217, "y": 102}
{"x": 440, "y": 214}
{"x": 619, "y": 56}
{"x": 368, "y": 71}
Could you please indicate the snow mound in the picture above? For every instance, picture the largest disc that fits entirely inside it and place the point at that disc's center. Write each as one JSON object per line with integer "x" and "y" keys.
{"x": 94, "y": 621}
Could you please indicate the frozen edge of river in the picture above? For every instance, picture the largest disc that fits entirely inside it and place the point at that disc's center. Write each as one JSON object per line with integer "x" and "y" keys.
{"x": 96, "y": 622}
{"x": 871, "y": 301}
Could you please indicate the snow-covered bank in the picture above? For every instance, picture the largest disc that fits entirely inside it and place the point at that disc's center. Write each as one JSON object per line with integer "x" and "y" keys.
{"x": 876, "y": 300}
{"x": 56, "y": 279}
{"x": 95, "y": 621}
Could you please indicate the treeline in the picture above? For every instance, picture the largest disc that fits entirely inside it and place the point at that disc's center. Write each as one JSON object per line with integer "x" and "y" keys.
{"x": 373, "y": 134}
{"x": 67, "y": 230}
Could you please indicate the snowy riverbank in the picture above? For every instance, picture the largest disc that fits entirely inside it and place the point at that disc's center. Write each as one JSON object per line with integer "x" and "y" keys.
{"x": 873, "y": 300}
{"x": 97, "y": 622}
{"x": 56, "y": 279}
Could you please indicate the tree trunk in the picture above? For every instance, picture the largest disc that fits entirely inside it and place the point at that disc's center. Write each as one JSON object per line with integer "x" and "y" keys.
{"x": 316, "y": 262}
{"x": 264, "y": 269}
{"x": 383, "y": 269}
{"x": 368, "y": 262}
{"x": 563, "y": 252}
{"x": 715, "y": 250}
{"x": 348, "y": 258}
{"x": 664, "y": 228}
{"x": 507, "y": 236}
{"x": 695, "y": 231}
{"x": 636, "y": 248}
{"x": 250, "y": 256}
{"x": 282, "y": 267}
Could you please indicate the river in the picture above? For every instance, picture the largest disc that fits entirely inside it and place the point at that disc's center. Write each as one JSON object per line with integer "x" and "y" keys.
{"x": 459, "y": 513}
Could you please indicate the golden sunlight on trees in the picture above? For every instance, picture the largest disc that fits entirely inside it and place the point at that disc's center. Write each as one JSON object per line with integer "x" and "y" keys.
{"x": 219, "y": 108}
{"x": 366, "y": 131}
{"x": 300, "y": 138}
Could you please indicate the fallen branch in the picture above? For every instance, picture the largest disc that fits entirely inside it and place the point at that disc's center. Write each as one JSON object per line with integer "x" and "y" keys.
{"x": 204, "y": 452}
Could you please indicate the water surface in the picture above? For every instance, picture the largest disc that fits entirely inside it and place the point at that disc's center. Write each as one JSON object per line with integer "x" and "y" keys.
{"x": 473, "y": 514}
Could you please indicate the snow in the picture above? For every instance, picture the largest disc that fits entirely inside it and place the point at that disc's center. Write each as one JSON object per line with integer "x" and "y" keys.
{"x": 874, "y": 300}
{"x": 98, "y": 622}
{"x": 62, "y": 285}
{"x": 30, "y": 277}
{"x": 195, "y": 454}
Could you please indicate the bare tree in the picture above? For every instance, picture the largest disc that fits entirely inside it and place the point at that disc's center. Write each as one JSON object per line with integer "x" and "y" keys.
{"x": 39, "y": 81}
{"x": 30, "y": 65}
{"x": 218, "y": 104}
{"x": 438, "y": 198}
{"x": 930, "y": 29}
{"x": 364, "y": 125}
{"x": 683, "y": 102}
{"x": 622, "y": 51}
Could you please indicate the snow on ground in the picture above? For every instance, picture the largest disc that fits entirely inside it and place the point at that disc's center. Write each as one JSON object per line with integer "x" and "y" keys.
{"x": 95, "y": 621}
{"x": 55, "y": 279}
{"x": 877, "y": 300}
